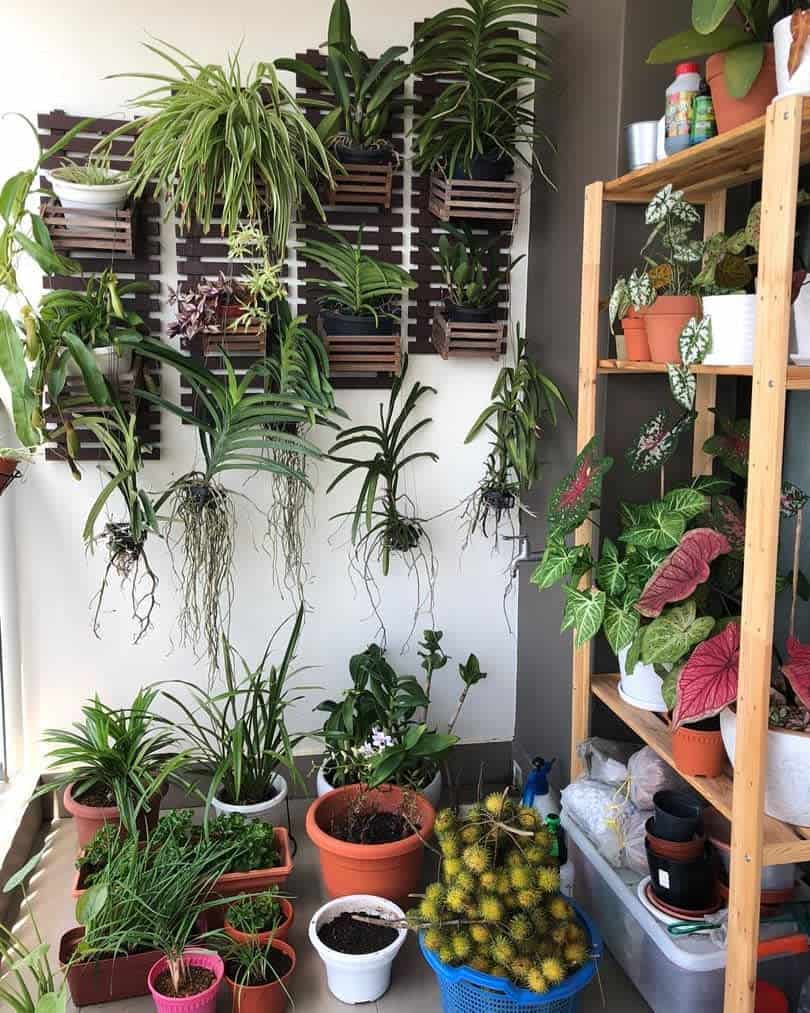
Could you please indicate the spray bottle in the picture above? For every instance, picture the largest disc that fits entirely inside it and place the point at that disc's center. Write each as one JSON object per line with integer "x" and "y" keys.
{"x": 538, "y": 793}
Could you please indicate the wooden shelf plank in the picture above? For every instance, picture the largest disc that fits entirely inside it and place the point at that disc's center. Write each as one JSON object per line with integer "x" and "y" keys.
{"x": 725, "y": 161}
{"x": 798, "y": 377}
{"x": 782, "y": 843}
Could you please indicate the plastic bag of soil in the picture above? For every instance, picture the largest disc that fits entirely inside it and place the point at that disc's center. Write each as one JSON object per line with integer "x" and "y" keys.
{"x": 606, "y": 760}
{"x": 603, "y": 811}
{"x": 649, "y": 774}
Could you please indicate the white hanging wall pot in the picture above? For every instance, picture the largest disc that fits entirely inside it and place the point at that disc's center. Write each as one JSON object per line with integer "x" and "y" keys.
{"x": 734, "y": 320}
{"x": 642, "y": 687}
{"x": 87, "y": 197}
{"x": 798, "y": 82}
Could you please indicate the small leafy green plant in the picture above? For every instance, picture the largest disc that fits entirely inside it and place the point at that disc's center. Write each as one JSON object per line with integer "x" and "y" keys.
{"x": 469, "y": 267}
{"x": 256, "y": 913}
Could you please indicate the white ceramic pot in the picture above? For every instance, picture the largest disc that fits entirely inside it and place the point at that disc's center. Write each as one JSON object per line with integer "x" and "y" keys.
{"x": 787, "y": 784}
{"x": 432, "y": 792}
{"x": 82, "y": 196}
{"x": 799, "y": 82}
{"x": 110, "y": 364}
{"x": 642, "y": 687}
{"x": 734, "y": 321}
{"x": 271, "y": 811}
{"x": 355, "y": 978}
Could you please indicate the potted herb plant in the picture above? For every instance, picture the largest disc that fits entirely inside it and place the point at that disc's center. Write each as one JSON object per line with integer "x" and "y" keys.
{"x": 735, "y": 35}
{"x": 473, "y": 282}
{"x": 259, "y": 918}
{"x": 93, "y": 186}
{"x": 217, "y": 136}
{"x": 258, "y": 974}
{"x": 483, "y": 120}
{"x": 113, "y": 765}
{"x": 370, "y": 838}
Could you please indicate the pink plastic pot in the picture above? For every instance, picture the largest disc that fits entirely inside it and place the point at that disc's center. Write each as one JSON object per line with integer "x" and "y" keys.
{"x": 204, "y": 1002}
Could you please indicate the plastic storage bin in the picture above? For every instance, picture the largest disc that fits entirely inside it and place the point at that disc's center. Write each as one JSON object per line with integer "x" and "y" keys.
{"x": 673, "y": 975}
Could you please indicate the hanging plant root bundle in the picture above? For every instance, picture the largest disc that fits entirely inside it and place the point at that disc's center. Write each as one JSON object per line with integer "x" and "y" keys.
{"x": 287, "y": 523}
{"x": 127, "y": 559}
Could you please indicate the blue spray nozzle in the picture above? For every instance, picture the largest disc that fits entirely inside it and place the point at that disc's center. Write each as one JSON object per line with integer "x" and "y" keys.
{"x": 537, "y": 781}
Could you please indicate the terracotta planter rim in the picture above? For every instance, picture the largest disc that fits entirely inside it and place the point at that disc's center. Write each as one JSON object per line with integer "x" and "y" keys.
{"x": 288, "y": 951}
{"x": 284, "y": 868}
{"x": 108, "y": 813}
{"x": 288, "y": 916}
{"x": 665, "y": 305}
{"x": 345, "y": 849}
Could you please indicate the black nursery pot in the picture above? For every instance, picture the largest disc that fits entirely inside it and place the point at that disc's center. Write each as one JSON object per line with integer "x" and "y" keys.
{"x": 468, "y": 314}
{"x": 356, "y": 154}
{"x": 689, "y": 885}
{"x": 677, "y": 816}
{"x": 335, "y": 323}
{"x": 493, "y": 167}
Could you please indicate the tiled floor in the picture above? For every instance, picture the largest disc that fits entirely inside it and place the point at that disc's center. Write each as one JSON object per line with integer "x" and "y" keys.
{"x": 413, "y": 988}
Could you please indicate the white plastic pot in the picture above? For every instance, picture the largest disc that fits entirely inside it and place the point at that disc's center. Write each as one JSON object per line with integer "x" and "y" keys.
{"x": 432, "y": 792}
{"x": 642, "y": 687}
{"x": 270, "y": 811}
{"x": 799, "y": 82}
{"x": 787, "y": 784}
{"x": 734, "y": 321}
{"x": 84, "y": 197}
{"x": 108, "y": 361}
{"x": 355, "y": 978}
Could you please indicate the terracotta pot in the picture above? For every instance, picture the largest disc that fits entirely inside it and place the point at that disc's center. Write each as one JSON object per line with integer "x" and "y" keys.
{"x": 99, "y": 981}
{"x": 392, "y": 871}
{"x": 89, "y": 819}
{"x": 681, "y": 851}
{"x": 270, "y": 998}
{"x": 698, "y": 753}
{"x": 255, "y": 881}
{"x": 8, "y": 469}
{"x": 734, "y": 112}
{"x": 263, "y": 938}
{"x": 664, "y": 321}
{"x": 203, "y": 1002}
{"x": 637, "y": 348}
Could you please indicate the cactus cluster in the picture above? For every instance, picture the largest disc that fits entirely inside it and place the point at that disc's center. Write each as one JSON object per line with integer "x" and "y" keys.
{"x": 497, "y": 907}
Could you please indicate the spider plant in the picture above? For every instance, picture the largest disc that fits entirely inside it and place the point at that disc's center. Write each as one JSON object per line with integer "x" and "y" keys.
{"x": 95, "y": 172}
{"x": 215, "y": 135}
{"x": 486, "y": 109}
{"x": 385, "y": 520}
{"x": 362, "y": 93}
{"x": 125, "y": 540}
{"x": 239, "y": 430}
{"x": 361, "y": 286}
{"x": 523, "y": 402}
{"x": 237, "y": 735}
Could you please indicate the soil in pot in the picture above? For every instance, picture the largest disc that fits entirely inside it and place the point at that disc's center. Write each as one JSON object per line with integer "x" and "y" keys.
{"x": 371, "y": 826}
{"x": 348, "y": 935}
{"x": 734, "y": 112}
{"x": 277, "y": 959}
{"x": 470, "y": 314}
{"x": 197, "y": 980}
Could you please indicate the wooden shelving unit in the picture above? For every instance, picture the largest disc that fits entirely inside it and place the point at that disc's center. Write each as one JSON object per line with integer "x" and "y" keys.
{"x": 772, "y": 147}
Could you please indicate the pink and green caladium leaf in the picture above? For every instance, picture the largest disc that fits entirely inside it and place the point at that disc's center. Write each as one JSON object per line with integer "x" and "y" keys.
{"x": 694, "y": 342}
{"x": 728, "y": 518}
{"x": 621, "y": 622}
{"x": 793, "y": 499}
{"x": 578, "y": 493}
{"x": 708, "y": 681}
{"x": 560, "y": 561}
{"x": 657, "y": 441}
{"x": 584, "y": 612}
{"x": 732, "y": 445}
{"x": 797, "y": 670}
{"x": 683, "y": 569}
{"x": 676, "y": 631}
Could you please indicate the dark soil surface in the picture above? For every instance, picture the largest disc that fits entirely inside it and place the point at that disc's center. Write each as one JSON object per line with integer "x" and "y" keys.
{"x": 347, "y": 935}
{"x": 97, "y": 796}
{"x": 372, "y": 828}
{"x": 198, "y": 979}
{"x": 279, "y": 961}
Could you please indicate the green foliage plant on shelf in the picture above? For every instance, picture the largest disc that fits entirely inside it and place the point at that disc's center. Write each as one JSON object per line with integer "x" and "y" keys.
{"x": 216, "y": 135}
{"x": 361, "y": 93}
{"x": 496, "y": 906}
{"x": 237, "y": 734}
{"x": 385, "y": 520}
{"x": 472, "y": 277}
{"x": 257, "y": 913}
{"x": 742, "y": 38}
{"x": 486, "y": 109}
{"x": 95, "y": 172}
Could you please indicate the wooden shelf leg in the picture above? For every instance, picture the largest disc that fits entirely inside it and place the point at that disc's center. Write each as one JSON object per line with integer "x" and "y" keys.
{"x": 586, "y": 429}
{"x": 779, "y": 185}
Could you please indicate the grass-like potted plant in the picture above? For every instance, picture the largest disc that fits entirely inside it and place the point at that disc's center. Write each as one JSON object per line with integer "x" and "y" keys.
{"x": 473, "y": 281}
{"x": 93, "y": 186}
{"x": 113, "y": 765}
{"x": 258, "y": 975}
{"x": 259, "y": 918}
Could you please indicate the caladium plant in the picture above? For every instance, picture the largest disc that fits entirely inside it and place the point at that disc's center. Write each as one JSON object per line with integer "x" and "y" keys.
{"x": 657, "y": 440}
{"x": 578, "y": 493}
{"x": 707, "y": 683}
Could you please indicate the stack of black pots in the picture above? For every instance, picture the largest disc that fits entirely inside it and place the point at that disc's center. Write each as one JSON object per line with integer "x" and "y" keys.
{"x": 682, "y": 871}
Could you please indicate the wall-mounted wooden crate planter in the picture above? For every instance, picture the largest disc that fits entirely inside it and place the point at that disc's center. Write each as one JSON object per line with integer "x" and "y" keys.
{"x": 250, "y": 341}
{"x": 474, "y": 198}
{"x": 73, "y": 229}
{"x": 362, "y": 353}
{"x": 363, "y": 184}
{"x": 458, "y": 338}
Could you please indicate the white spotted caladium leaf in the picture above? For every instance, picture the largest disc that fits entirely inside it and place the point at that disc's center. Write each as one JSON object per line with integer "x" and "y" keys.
{"x": 708, "y": 681}
{"x": 682, "y": 385}
{"x": 657, "y": 440}
{"x": 797, "y": 670}
{"x": 793, "y": 499}
{"x": 640, "y": 289}
{"x": 684, "y": 568}
{"x": 695, "y": 341}
{"x": 578, "y": 493}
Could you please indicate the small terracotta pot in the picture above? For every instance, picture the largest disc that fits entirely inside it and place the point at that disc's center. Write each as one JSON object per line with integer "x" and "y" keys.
{"x": 89, "y": 819}
{"x": 637, "y": 348}
{"x": 270, "y": 998}
{"x": 680, "y": 851}
{"x": 263, "y": 938}
{"x": 664, "y": 321}
{"x": 256, "y": 881}
{"x": 734, "y": 112}
{"x": 698, "y": 753}
{"x": 392, "y": 871}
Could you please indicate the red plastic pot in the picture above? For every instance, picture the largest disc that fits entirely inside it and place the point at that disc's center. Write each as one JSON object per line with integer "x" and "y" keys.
{"x": 98, "y": 981}
{"x": 269, "y": 998}
{"x": 263, "y": 938}
{"x": 203, "y": 1002}
{"x": 664, "y": 321}
{"x": 635, "y": 337}
{"x": 255, "y": 881}
{"x": 390, "y": 870}
{"x": 734, "y": 112}
{"x": 698, "y": 753}
{"x": 89, "y": 819}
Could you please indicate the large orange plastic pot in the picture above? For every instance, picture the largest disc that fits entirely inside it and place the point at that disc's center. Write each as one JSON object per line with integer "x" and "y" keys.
{"x": 269, "y": 998}
{"x": 664, "y": 321}
{"x": 733, "y": 112}
{"x": 391, "y": 870}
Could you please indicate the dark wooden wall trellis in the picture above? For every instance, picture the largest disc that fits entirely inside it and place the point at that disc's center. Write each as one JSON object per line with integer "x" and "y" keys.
{"x": 144, "y": 265}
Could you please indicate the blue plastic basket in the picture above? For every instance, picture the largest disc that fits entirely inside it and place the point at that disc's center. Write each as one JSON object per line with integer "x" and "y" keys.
{"x": 467, "y": 991}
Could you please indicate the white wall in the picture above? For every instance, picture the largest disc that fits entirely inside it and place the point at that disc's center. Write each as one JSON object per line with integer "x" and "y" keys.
{"x": 57, "y": 56}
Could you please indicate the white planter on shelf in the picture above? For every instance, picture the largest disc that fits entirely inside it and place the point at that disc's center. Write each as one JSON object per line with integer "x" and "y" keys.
{"x": 787, "y": 784}
{"x": 734, "y": 320}
{"x": 355, "y": 978}
{"x": 432, "y": 792}
{"x": 84, "y": 197}
{"x": 271, "y": 811}
{"x": 642, "y": 687}
{"x": 108, "y": 361}
{"x": 797, "y": 83}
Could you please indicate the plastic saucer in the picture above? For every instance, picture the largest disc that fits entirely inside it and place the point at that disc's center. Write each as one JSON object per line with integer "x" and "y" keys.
{"x": 679, "y": 913}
